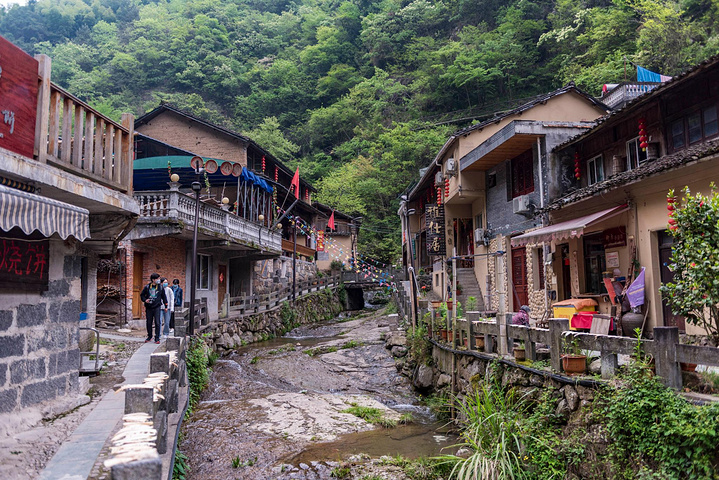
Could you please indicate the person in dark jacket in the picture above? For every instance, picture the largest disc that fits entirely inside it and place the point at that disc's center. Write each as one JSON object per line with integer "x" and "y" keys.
{"x": 522, "y": 316}
{"x": 177, "y": 290}
{"x": 153, "y": 296}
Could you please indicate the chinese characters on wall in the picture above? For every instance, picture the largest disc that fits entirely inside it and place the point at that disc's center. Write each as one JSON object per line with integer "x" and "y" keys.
{"x": 24, "y": 264}
{"x": 434, "y": 221}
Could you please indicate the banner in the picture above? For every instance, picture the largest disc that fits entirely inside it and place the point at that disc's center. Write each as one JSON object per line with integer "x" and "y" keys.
{"x": 434, "y": 221}
{"x": 320, "y": 241}
{"x": 635, "y": 293}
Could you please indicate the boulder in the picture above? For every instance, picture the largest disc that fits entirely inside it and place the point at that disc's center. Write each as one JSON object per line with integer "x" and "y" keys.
{"x": 595, "y": 367}
{"x": 399, "y": 351}
{"x": 443, "y": 380}
{"x": 423, "y": 378}
{"x": 572, "y": 397}
{"x": 562, "y": 410}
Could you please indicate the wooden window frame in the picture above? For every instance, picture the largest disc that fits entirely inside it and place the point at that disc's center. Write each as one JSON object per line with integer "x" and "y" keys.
{"x": 522, "y": 168}
{"x": 595, "y": 165}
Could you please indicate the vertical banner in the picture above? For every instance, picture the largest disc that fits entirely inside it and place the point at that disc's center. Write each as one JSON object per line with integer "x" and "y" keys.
{"x": 18, "y": 99}
{"x": 434, "y": 221}
{"x": 320, "y": 241}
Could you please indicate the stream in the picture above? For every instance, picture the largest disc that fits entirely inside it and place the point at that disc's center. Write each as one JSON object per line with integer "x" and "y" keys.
{"x": 272, "y": 411}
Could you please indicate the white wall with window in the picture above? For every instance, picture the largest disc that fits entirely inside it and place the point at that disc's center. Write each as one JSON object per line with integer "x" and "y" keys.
{"x": 595, "y": 170}
{"x": 204, "y": 272}
{"x": 635, "y": 155}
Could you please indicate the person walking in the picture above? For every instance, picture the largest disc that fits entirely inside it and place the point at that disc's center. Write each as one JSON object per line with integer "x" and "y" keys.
{"x": 177, "y": 292}
{"x": 167, "y": 308}
{"x": 153, "y": 296}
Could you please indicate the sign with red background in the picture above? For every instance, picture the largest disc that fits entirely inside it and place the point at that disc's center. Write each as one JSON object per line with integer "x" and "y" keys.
{"x": 320, "y": 241}
{"x": 18, "y": 99}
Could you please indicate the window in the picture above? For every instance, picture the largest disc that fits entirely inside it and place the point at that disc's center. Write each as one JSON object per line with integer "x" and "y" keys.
{"x": 595, "y": 170}
{"x": 478, "y": 221}
{"x": 594, "y": 263}
{"x": 635, "y": 155}
{"x": 522, "y": 174}
{"x": 678, "y": 134}
{"x": 695, "y": 127}
{"x": 203, "y": 272}
{"x": 711, "y": 127}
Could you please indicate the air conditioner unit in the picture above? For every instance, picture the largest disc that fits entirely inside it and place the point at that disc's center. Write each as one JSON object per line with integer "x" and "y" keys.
{"x": 438, "y": 178}
{"x": 521, "y": 204}
{"x": 451, "y": 166}
{"x": 479, "y": 234}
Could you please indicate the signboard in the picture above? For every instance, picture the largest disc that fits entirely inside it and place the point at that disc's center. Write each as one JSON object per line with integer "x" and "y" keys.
{"x": 614, "y": 237}
{"x": 18, "y": 99}
{"x": 612, "y": 259}
{"x": 320, "y": 241}
{"x": 24, "y": 264}
{"x": 434, "y": 221}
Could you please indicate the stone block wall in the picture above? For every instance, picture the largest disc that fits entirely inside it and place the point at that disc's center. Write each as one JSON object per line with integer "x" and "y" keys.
{"x": 277, "y": 273}
{"x": 39, "y": 337}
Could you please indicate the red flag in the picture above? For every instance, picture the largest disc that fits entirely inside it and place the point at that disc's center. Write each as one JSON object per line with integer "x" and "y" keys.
{"x": 296, "y": 183}
{"x": 331, "y": 221}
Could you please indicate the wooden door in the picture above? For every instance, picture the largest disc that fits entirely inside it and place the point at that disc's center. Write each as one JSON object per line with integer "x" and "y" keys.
{"x": 666, "y": 275}
{"x": 221, "y": 285}
{"x": 137, "y": 283}
{"x": 519, "y": 277}
{"x": 566, "y": 273}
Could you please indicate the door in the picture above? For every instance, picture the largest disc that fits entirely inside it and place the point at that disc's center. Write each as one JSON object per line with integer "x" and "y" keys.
{"x": 566, "y": 273}
{"x": 221, "y": 285}
{"x": 666, "y": 275}
{"x": 519, "y": 277}
{"x": 137, "y": 283}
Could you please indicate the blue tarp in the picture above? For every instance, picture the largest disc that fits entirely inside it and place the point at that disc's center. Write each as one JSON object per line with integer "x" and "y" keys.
{"x": 248, "y": 176}
{"x": 644, "y": 75}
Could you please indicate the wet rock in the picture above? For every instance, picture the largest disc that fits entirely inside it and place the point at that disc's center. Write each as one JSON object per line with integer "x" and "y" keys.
{"x": 595, "y": 367}
{"x": 399, "y": 351}
{"x": 423, "y": 378}
{"x": 570, "y": 394}
{"x": 443, "y": 380}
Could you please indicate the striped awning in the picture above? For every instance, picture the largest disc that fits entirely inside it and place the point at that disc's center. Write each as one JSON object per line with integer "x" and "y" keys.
{"x": 32, "y": 212}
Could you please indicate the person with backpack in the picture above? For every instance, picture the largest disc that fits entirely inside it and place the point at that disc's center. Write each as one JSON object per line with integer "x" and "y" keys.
{"x": 153, "y": 296}
{"x": 177, "y": 291}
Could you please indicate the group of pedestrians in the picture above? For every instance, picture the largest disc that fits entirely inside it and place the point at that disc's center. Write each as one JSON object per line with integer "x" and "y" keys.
{"x": 160, "y": 301}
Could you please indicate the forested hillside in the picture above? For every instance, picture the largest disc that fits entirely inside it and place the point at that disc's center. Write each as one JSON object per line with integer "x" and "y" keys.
{"x": 358, "y": 93}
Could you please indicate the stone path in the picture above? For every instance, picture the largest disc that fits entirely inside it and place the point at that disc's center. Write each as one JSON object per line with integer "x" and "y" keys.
{"x": 77, "y": 455}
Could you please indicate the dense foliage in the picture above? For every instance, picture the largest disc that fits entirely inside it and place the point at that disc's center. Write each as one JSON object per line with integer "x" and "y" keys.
{"x": 694, "y": 291}
{"x": 357, "y": 92}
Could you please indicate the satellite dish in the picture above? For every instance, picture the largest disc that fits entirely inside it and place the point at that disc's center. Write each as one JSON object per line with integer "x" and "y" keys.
{"x": 196, "y": 163}
{"x": 237, "y": 170}
{"x": 226, "y": 168}
{"x": 211, "y": 166}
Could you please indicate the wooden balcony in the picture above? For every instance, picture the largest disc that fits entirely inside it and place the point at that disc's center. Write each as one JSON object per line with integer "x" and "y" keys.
{"x": 71, "y": 135}
{"x": 176, "y": 207}
{"x": 302, "y": 251}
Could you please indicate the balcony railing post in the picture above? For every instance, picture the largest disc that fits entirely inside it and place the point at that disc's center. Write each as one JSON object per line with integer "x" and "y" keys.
{"x": 43, "y": 107}
{"x": 128, "y": 122}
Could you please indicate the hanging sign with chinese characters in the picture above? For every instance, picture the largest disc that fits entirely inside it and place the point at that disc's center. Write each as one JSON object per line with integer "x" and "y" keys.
{"x": 24, "y": 264}
{"x": 18, "y": 99}
{"x": 434, "y": 221}
{"x": 614, "y": 237}
{"x": 320, "y": 241}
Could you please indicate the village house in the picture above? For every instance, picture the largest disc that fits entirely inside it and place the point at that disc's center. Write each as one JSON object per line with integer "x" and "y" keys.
{"x": 338, "y": 244}
{"x": 609, "y": 217}
{"x": 65, "y": 198}
{"x": 482, "y": 187}
{"x": 238, "y": 251}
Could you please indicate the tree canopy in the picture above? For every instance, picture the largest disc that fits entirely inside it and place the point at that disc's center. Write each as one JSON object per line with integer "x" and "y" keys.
{"x": 351, "y": 90}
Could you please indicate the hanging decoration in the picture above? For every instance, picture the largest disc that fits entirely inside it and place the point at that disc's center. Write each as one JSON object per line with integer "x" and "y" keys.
{"x": 577, "y": 170}
{"x": 277, "y": 173}
{"x": 263, "y": 164}
{"x": 439, "y": 197}
{"x": 446, "y": 187}
{"x": 643, "y": 138}
{"x": 671, "y": 207}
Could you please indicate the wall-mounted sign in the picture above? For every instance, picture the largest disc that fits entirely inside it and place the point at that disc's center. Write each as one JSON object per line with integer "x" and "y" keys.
{"x": 24, "y": 264}
{"x": 434, "y": 222}
{"x": 18, "y": 99}
{"x": 614, "y": 237}
{"x": 612, "y": 259}
{"x": 320, "y": 241}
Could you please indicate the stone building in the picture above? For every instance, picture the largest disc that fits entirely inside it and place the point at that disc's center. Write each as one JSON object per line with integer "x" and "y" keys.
{"x": 65, "y": 198}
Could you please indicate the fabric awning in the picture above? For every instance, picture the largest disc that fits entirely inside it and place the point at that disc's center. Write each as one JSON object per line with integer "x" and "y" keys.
{"x": 569, "y": 229}
{"x": 33, "y": 212}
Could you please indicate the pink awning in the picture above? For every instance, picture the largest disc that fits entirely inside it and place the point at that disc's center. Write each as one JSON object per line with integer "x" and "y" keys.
{"x": 569, "y": 229}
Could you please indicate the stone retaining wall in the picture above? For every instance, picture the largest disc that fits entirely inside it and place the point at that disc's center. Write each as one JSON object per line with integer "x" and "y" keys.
{"x": 231, "y": 333}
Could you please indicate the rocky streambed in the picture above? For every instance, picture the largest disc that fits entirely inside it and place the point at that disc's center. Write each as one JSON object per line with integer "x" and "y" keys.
{"x": 279, "y": 409}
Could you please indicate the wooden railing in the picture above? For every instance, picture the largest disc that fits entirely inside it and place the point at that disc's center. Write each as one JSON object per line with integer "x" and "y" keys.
{"x": 175, "y": 206}
{"x": 288, "y": 246}
{"x": 498, "y": 333}
{"x": 71, "y": 135}
{"x": 251, "y": 304}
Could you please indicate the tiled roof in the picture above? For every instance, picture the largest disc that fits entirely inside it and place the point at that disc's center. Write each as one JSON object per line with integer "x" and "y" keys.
{"x": 652, "y": 167}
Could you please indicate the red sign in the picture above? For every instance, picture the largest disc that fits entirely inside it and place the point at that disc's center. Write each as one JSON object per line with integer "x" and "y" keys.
{"x": 614, "y": 237}
{"x": 24, "y": 264}
{"x": 320, "y": 241}
{"x": 18, "y": 99}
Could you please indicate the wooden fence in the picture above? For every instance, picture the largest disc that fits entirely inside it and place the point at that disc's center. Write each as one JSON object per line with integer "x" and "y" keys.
{"x": 251, "y": 304}
{"x": 498, "y": 333}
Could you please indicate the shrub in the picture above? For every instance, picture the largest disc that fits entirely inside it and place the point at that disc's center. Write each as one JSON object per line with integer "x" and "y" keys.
{"x": 471, "y": 304}
{"x": 198, "y": 373}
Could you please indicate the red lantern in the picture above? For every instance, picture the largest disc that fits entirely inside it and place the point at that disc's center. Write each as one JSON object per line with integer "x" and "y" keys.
{"x": 263, "y": 164}
{"x": 439, "y": 196}
{"x": 577, "y": 170}
{"x": 446, "y": 187}
{"x": 277, "y": 173}
{"x": 643, "y": 138}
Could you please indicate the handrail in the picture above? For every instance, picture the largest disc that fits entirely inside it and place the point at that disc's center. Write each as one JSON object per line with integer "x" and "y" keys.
{"x": 97, "y": 350}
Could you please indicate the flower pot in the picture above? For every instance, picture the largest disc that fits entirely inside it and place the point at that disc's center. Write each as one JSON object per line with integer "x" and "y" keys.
{"x": 688, "y": 367}
{"x": 443, "y": 334}
{"x": 450, "y": 335}
{"x": 520, "y": 353}
{"x": 479, "y": 342}
{"x": 436, "y": 304}
{"x": 574, "y": 364}
{"x": 465, "y": 341}
{"x": 423, "y": 303}
{"x": 449, "y": 306}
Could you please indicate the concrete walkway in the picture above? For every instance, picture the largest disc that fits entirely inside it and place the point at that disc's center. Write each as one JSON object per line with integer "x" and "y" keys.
{"x": 78, "y": 454}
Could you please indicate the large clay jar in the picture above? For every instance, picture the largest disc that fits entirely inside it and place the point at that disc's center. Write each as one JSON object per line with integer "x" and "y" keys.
{"x": 630, "y": 322}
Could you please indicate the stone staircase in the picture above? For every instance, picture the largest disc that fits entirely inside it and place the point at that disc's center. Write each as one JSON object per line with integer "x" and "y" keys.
{"x": 470, "y": 287}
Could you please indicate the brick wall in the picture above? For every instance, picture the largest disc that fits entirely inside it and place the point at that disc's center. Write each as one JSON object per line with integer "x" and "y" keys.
{"x": 39, "y": 353}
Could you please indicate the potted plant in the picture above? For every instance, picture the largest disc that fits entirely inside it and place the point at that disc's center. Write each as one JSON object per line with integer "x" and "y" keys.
{"x": 427, "y": 322}
{"x": 520, "y": 353}
{"x": 459, "y": 289}
{"x": 441, "y": 323}
{"x": 471, "y": 304}
{"x": 573, "y": 361}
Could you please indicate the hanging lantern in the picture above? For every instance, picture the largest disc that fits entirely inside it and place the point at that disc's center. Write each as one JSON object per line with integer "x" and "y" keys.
{"x": 439, "y": 196}
{"x": 446, "y": 187}
{"x": 263, "y": 164}
{"x": 643, "y": 138}
{"x": 277, "y": 173}
{"x": 577, "y": 170}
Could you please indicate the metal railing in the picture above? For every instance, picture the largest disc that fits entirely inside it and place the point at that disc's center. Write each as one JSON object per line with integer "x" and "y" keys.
{"x": 176, "y": 206}
{"x": 626, "y": 92}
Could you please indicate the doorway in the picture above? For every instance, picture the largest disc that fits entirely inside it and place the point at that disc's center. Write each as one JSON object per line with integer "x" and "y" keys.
{"x": 137, "y": 284}
{"x": 666, "y": 275}
{"x": 519, "y": 277}
{"x": 566, "y": 272}
{"x": 463, "y": 239}
{"x": 221, "y": 285}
